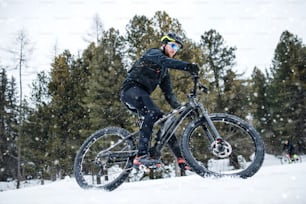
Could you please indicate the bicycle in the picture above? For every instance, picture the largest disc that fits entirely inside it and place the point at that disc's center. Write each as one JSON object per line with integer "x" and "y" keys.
{"x": 287, "y": 159}
{"x": 216, "y": 144}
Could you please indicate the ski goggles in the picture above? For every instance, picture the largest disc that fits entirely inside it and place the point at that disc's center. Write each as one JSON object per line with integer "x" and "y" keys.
{"x": 174, "y": 46}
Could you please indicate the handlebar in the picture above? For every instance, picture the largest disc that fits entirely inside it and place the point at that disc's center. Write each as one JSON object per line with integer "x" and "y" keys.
{"x": 203, "y": 88}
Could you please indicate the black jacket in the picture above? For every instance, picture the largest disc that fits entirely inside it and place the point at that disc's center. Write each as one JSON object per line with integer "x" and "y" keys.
{"x": 152, "y": 70}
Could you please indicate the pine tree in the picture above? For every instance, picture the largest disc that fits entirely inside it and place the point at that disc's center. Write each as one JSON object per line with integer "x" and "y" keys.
{"x": 8, "y": 127}
{"x": 219, "y": 59}
{"x": 68, "y": 116}
{"x": 3, "y": 133}
{"x": 39, "y": 142}
{"x": 139, "y": 37}
{"x": 106, "y": 74}
{"x": 258, "y": 98}
{"x": 235, "y": 95}
{"x": 299, "y": 76}
{"x": 260, "y": 108}
{"x": 163, "y": 24}
{"x": 39, "y": 90}
{"x": 287, "y": 89}
{"x": 37, "y": 130}
{"x": 21, "y": 53}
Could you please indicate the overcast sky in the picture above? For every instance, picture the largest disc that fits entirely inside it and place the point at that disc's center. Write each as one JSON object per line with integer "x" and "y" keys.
{"x": 253, "y": 26}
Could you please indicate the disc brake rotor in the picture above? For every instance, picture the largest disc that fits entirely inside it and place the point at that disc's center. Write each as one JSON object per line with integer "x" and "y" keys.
{"x": 221, "y": 149}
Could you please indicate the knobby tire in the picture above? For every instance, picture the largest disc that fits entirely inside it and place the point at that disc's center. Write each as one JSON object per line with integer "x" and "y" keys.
{"x": 103, "y": 172}
{"x": 247, "y": 147}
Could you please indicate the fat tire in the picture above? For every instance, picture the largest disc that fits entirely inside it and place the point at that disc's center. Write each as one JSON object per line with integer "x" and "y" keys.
{"x": 98, "y": 135}
{"x": 229, "y": 119}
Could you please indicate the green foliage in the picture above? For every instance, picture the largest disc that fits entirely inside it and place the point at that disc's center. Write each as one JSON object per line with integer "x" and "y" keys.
{"x": 39, "y": 87}
{"x": 8, "y": 127}
{"x": 258, "y": 96}
{"x": 102, "y": 100}
{"x": 219, "y": 59}
{"x": 139, "y": 34}
{"x": 287, "y": 90}
{"x": 235, "y": 98}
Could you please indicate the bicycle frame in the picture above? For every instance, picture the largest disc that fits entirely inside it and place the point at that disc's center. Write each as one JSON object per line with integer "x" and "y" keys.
{"x": 170, "y": 122}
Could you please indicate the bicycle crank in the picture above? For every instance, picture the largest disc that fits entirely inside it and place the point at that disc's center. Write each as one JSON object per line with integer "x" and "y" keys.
{"x": 221, "y": 148}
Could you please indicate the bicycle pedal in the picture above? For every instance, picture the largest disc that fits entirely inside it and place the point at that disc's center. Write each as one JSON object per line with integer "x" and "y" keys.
{"x": 148, "y": 168}
{"x": 155, "y": 167}
{"x": 144, "y": 168}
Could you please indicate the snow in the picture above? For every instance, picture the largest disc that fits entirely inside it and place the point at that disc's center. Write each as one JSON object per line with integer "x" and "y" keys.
{"x": 273, "y": 184}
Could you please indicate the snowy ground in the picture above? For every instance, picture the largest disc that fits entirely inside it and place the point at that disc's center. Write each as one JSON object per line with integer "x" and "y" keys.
{"x": 273, "y": 184}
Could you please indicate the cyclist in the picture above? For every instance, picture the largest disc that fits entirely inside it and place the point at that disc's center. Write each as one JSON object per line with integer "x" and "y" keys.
{"x": 288, "y": 148}
{"x": 149, "y": 71}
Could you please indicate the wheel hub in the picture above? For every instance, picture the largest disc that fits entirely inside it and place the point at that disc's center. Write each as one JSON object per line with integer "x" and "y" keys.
{"x": 221, "y": 148}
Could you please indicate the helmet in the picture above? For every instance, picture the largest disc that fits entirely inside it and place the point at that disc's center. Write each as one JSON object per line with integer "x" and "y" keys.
{"x": 172, "y": 37}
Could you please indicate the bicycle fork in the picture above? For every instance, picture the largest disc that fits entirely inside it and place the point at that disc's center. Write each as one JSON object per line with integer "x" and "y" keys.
{"x": 219, "y": 147}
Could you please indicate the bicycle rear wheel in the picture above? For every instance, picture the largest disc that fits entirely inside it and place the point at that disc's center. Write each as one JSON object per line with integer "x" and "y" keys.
{"x": 247, "y": 147}
{"x": 297, "y": 158}
{"x": 105, "y": 159}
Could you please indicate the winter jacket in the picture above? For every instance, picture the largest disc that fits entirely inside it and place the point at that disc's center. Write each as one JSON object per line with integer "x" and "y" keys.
{"x": 152, "y": 70}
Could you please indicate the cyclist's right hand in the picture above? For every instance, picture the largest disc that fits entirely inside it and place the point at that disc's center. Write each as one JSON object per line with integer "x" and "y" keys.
{"x": 193, "y": 69}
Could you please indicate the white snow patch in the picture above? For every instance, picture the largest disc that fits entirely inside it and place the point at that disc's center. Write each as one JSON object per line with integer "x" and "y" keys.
{"x": 274, "y": 183}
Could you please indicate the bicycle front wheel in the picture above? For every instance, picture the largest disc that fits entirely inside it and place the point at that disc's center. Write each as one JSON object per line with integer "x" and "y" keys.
{"x": 247, "y": 148}
{"x": 104, "y": 160}
{"x": 285, "y": 159}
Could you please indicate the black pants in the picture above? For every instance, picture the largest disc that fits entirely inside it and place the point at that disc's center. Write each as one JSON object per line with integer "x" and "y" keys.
{"x": 137, "y": 98}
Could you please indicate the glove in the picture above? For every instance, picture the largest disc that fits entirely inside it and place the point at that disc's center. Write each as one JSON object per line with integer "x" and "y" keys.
{"x": 193, "y": 69}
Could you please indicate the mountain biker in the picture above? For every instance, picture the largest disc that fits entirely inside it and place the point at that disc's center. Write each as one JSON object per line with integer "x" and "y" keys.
{"x": 149, "y": 71}
{"x": 288, "y": 148}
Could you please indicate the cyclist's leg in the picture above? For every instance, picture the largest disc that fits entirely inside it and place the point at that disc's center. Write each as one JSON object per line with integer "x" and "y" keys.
{"x": 141, "y": 101}
{"x": 175, "y": 147}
